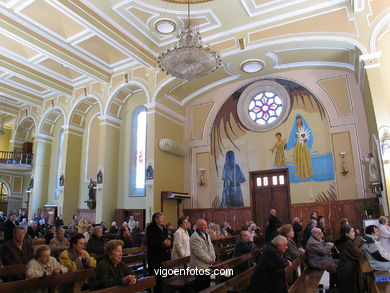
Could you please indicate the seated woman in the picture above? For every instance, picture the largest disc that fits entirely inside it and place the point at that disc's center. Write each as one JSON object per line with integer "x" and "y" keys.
{"x": 292, "y": 251}
{"x": 75, "y": 258}
{"x": 111, "y": 271}
{"x": 43, "y": 265}
{"x": 349, "y": 275}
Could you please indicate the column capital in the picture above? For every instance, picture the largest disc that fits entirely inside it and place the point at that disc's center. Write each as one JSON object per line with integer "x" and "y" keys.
{"x": 371, "y": 60}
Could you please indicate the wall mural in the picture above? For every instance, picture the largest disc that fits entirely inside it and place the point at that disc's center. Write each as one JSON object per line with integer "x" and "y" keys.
{"x": 307, "y": 153}
{"x": 232, "y": 177}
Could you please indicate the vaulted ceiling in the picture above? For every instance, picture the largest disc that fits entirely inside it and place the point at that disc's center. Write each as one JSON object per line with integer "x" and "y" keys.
{"x": 51, "y": 47}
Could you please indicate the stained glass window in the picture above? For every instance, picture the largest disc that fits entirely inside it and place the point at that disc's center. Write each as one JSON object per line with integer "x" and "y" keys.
{"x": 265, "y": 108}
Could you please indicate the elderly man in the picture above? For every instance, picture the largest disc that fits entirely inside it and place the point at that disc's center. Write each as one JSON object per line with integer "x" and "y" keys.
{"x": 269, "y": 276}
{"x": 377, "y": 255}
{"x": 202, "y": 254}
{"x": 96, "y": 242}
{"x": 19, "y": 249}
{"x": 318, "y": 252}
{"x": 243, "y": 245}
{"x": 307, "y": 232}
{"x": 59, "y": 243}
{"x": 9, "y": 226}
{"x": 273, "y": 224}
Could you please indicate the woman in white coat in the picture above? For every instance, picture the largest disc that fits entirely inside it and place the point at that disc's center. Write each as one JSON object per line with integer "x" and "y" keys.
{"x": 384, "y": 231}
{"x": 181, "y": 240}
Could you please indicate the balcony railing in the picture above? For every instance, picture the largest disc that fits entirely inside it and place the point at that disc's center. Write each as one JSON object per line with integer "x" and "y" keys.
{"x": 15, "y": 158}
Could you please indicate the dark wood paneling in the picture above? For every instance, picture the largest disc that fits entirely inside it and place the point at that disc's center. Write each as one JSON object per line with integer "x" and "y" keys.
{"x": 236, "y": 217}
{"x": 332, "y": 210}
{"x": 122, "y": 215}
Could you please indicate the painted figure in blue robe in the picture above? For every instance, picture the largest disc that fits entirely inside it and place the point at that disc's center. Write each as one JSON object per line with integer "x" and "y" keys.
{"x": 301, "y": 141}
{"x": 232, "y": 177}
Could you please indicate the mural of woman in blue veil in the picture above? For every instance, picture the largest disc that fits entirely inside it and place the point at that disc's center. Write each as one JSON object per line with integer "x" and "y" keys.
{"x": 232, "y": 177}
{"x": 301, "y": 140}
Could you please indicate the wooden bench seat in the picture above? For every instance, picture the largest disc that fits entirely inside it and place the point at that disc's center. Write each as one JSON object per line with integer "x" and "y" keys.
{"x": 220, "y": 288}
{"x": 13, "y": 270}
{"x": 307, "y": 282}
{"x": 179, "y": 281}
{"x": 241, "y": 282}
{"x": 137, "y": 263}
{"x": 141, "y": 285}
{"x": 134, "y": 250}
{"x": 370, "y": 275}
{"x": 62, "y": 279}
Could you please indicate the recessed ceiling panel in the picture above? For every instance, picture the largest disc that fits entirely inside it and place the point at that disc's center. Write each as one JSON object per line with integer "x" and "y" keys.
{"x": 28, "y": 84}
{"x": 59, "y": 68}
{"x": 53, "y": 19}
{"x": 16, "y": 47}
{"x": 102, "y": 50}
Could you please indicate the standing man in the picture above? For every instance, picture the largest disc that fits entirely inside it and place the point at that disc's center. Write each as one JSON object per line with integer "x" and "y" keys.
{"x": 158, "y": 247}
{"x": 269, "y": 276}
{"x": 9, "y": 227}
{"x": 273, "y": 224}
{"x": 202, "y": 254}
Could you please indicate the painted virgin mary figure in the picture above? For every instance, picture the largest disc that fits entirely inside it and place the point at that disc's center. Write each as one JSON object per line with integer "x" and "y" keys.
{"x": 301, "y": 141}
{"x": 232, "y": 177}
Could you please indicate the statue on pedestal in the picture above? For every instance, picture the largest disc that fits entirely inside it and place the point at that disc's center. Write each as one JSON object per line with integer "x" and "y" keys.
{"x": 91, "y": 202}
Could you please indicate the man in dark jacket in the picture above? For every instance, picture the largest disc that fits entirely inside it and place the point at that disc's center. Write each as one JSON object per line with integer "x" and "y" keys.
{"x": 18, "y": 250}
{"x": 96, "y": 242}
{"x": 33, "y": 230}
{"x": 125, "y": 236}
{"x": 269, "y": 276}
{"x": 273, "y": 224}
{"x": 9, "y": 227}
{"x": 307, "y": 232}
{"x": 243, "y": 245}
{"x": 158, "y": 246}
{"x": 137, "y": 235}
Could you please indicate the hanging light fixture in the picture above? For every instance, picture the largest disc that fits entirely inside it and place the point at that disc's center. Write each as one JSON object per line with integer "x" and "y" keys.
{"x": 190, "y": 58}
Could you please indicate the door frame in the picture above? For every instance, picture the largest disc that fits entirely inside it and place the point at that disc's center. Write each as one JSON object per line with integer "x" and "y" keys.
{"x": 251, "y": 186}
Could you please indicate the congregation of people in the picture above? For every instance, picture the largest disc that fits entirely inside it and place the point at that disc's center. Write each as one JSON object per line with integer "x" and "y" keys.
{"x": 83, "y": 245}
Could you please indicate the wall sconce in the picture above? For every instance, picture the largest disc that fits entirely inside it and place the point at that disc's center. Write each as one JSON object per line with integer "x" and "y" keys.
{"x": 201, "y": 176}
{"x": 344, "y": 168}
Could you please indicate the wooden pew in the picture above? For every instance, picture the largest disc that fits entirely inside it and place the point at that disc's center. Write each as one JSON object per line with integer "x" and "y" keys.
{"x": 220, "y": 288}
{"x": 294, "y": 266}
{"x": 134, "y": 250}
{"x": 176, "y": 282}
{"x": 307, "y": 281}
{"x": 234, "y": 262}
{"x": 241, "y": 282}
{"x": 382, "y": 287}
{"x": 141, "y": 285}
{"x": 61, "y": 279}
{"x": 374, "y": 287}
{"x": 13, "y": 270}
{"x": 137, "y": 263}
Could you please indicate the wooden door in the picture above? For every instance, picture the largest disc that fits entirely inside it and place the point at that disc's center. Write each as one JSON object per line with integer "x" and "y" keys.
{"x": 270, "y": 189}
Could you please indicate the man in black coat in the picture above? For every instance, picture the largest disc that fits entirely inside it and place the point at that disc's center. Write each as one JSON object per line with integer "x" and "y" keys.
{"x": 269, "y": 276}
{"x": 158, "y": 246}
{"x": 243, "y": 245}
{"x": 9, "y": 227}
{"x": 307, "y": 232}
{"x": 273, "y": 224}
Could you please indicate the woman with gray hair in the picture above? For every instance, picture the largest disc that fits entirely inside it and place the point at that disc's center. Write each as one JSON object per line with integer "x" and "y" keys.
{"x": 43, "y": 265}
{"x": 384, "y": 231}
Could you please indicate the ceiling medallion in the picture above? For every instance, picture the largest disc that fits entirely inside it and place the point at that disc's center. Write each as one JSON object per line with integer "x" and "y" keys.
{"x": 252, "y": 66}
{"x": 165, "y": 26}
{"x": 190, "y": 58}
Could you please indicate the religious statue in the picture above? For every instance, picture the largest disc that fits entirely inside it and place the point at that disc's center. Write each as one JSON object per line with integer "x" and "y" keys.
{"x": 91, "y": 190}
{"x": 301, "y": 141}
{"x": 278, "y": 149}
{"x": 99, "y": 177}
{"x": 31, "y": 185}
{"x": 91, "y": 202}
{"x": 232, "y": 177}
{"x": 62, "y": 180}
{"x": 149, "y": 172}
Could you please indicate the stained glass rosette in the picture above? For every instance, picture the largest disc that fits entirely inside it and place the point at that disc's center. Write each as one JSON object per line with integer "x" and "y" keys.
{"x": 265, "y": 108}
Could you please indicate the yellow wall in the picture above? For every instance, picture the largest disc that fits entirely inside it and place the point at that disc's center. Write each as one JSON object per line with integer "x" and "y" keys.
{"x": 4, "y": 140}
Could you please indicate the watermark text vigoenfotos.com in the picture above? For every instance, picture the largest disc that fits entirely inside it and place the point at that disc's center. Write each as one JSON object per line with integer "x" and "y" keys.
{"x": 193, "y": 272}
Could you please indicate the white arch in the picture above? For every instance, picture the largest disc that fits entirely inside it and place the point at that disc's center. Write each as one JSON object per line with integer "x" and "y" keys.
{"x": 96, "y": 97}
{"x": 375, "y": 33}
{"x": 43, "y": 117}
{"x": 21, "y": 121}
{"x": 124, "y": 85}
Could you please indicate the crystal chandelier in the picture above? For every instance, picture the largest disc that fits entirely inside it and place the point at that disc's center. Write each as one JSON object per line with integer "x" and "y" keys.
{"x": 189, "y": 58}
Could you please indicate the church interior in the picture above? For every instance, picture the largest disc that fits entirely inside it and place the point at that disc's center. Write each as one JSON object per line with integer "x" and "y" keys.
{"x": 100, "y": 117}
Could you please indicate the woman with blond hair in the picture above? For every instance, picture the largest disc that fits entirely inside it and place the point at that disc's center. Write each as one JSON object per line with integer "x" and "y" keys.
{"x": 43, "y": 265}
{"x": 384, "y": 231}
